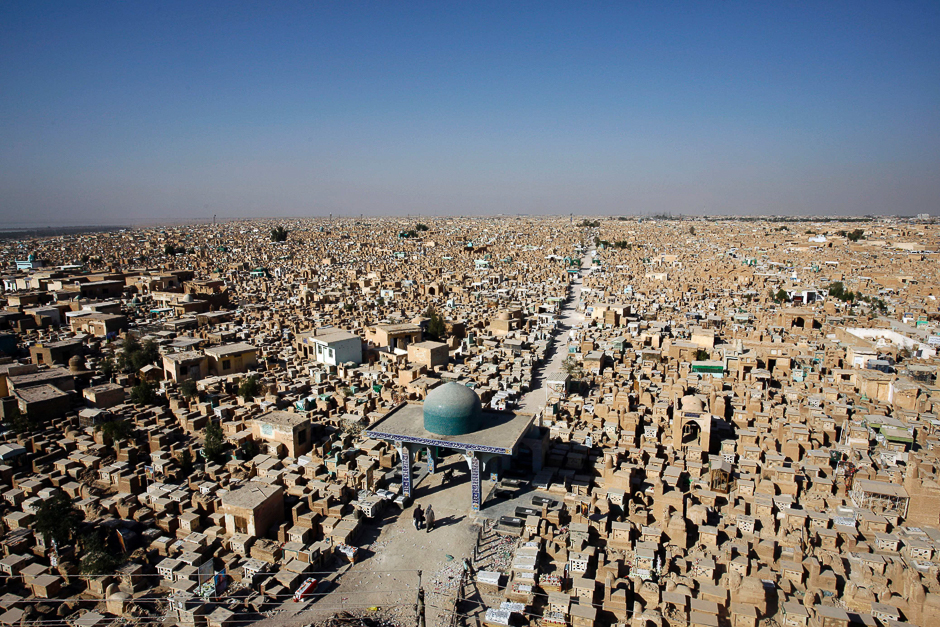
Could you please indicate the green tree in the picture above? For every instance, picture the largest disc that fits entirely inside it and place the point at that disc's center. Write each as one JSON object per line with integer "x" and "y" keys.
{"x": 146, "y": 354}
{"x": 16, "y": 421}
{"x": 874, "y": 302}
{"x": 856, "y": 235}
{"x": 189, "y": 389}
{"x": 117, "y": 430}
{"x": 437, "y": 327}
{"x": 214, "y": 445}
{"x": 781, "y": 296}
{"x": 144, "y": 393}
{"x": 135, "y": 355}
{"x": 250, "y": 387}
{"x": 170, "y": 250}
{"x": 185, "y": 460}
{"x": 572, "y": 367}
{"x": 96, "y": 559}
{"x": 838, "y": 291}
{"x": 249, "y": 448}
{"x": 691, "y": 230}
{"x": 129, "y": 347}
{"x": 701, "y": 355}
{"x": 421, "y": 227}
{"x": 108, "y": 367}
{"x": 56, "y": 519}
{"x": 279, "y": 234}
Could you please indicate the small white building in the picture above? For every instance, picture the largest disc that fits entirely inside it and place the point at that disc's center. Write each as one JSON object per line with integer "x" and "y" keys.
{"x": 330, "y": 346}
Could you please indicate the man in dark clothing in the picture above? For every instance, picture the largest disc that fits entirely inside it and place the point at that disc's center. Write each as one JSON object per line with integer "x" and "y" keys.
{"x": 418, "y": 517}
{"x": 429, "y": 516}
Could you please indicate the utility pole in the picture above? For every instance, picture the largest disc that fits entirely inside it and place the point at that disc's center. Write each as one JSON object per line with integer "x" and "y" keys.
{"x": 421, "y": 622}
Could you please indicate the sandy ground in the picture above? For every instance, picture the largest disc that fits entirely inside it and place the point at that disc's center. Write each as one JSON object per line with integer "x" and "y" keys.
{"x": 386, "y": 575}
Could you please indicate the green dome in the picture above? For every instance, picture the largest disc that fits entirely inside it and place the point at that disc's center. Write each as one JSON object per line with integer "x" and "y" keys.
{"x": 452, "y": 409}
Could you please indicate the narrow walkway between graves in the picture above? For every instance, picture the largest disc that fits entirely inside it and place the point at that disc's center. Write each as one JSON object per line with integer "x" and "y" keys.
{"x": 569, "y": 318}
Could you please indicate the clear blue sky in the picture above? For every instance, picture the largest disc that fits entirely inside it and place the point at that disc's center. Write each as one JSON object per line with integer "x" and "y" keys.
{"x": 145, "y": 111}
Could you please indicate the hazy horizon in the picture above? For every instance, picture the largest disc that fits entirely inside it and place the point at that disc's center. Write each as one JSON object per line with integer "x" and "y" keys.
{"x": 133, "y": 113}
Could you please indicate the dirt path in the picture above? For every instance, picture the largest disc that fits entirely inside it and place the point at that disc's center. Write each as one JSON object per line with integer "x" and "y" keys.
{"x": 386, "y": 575}
{"x": 569, "y": 317}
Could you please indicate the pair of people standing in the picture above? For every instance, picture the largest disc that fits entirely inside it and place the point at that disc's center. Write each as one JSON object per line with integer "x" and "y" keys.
{"x": 423, "y": 518}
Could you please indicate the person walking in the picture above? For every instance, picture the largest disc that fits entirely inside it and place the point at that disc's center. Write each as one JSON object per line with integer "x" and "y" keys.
{"x": 429, "y": 518}
{"x": 418, "y": 516}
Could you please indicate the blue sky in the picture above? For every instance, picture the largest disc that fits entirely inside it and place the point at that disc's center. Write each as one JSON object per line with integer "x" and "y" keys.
{"x": 145, "y": 111}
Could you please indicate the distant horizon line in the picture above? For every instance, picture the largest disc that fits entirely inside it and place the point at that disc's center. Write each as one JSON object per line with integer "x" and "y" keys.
{"x": 24, "y": 226}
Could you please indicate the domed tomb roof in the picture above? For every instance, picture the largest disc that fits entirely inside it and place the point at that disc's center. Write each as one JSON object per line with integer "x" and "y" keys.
{"x": 77, "y": 363}
{"x": 452, "y": 409}
{"x": 692, "y": 403}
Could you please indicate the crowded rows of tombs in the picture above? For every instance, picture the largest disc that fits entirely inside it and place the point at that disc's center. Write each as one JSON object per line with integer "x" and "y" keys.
{"x": 651, "y": 422}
